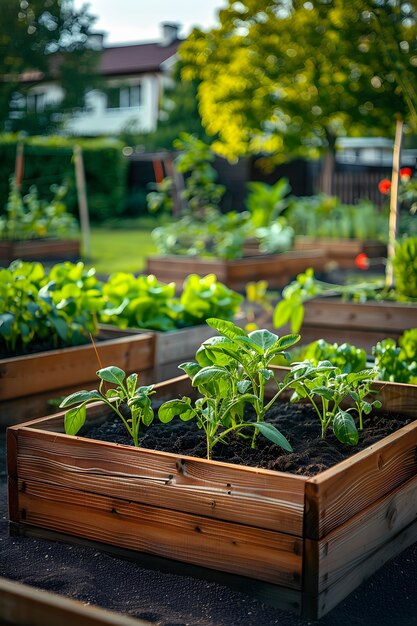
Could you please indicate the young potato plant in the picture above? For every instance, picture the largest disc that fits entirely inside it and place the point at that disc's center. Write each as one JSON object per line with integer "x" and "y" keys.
{"x": 326, "y": 387}
{"x": 230, "y": 371}
{"x": 126, "y": 392}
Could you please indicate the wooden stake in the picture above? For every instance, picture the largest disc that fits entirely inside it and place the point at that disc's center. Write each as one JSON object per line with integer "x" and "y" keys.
{"x": 19, "y": 165}
{"x": 393, "y": 212}
{"x": 82, "y": 201}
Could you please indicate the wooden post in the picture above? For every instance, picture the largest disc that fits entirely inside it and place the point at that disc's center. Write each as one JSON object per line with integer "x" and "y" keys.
{"x": 19, "y": 165}
{"x": 82, "y": 201}
{"x": 393, "y": 211}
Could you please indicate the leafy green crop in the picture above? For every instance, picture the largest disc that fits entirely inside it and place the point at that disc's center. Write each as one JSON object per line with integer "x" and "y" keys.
{"x": 346, "y": 357}
{"x": 306, "y": 287}
{"x": 126, "y": 393}
{"x": 325, "y": 386}
{"x": 148, "y": 303}
{"x": 326, "y": 216}
{"x": 397, "y": 362}
{"x": 230, "y": 371}
{"x": 55, "y": 309}
{"x": 405, "y": 267}
{"x": 32, "y": 218}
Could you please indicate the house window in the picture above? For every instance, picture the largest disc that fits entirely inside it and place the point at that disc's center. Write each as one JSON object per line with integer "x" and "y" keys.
{"x": 130, "y": 97}
{"x": 36, "y": 102}
{"x": 126, "y": 97}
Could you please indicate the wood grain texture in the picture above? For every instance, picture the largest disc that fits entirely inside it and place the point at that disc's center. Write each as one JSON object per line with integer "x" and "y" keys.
{"x": 274, "y": 595}
{"x": 337, "y": 494}
{"x": 21, "y": 605}
{"x": 24, "y": 376}
{"x": 277, "y": 269}
{"x": 382, "y": 317}
{"x": 40, "y": 249}
{"x": 222, "y": 491}
{"x": 342, "y": 551}
{"x": 342, "y": 251}
{"x": 262, "y": 554}
{"x": 316, "y": 605}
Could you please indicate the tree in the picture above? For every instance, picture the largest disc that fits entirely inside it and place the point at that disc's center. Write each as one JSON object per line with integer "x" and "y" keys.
{"x": 48, "y": 39}
{"x": 288, "y": 78}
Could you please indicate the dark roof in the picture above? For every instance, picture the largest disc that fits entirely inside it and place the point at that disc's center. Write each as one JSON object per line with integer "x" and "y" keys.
{"x": 136, "y": 58}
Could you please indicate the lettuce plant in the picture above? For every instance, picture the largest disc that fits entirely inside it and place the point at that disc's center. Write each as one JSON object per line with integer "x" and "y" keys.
{"x": 39, "y": 309}
{"x": 146, "y": 302}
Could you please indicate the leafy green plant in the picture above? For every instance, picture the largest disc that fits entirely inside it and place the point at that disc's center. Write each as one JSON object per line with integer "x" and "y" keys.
{"x": 42, "y": 310}
{"x": 326, "y": 387}
{"x": 326, "y": 216}
{"x": 306, "y": 287}
{"x": 145, "y": 302}
{"x": 405, "y": 267}
{"x": 345, "y": 356}
{"x": 266, "y": 202}
{"x": 126, "y": 393}
{"x": 217, "y": 235}
{"x": 29, "y": 217}
{"x": 230, "y": 371}
{"x": 397, "y": 362}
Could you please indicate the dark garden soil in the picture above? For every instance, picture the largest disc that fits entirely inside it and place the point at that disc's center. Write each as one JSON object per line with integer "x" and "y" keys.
{"x": 299, "y": 423}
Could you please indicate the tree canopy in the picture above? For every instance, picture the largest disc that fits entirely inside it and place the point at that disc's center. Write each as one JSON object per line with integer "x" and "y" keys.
{"x": 287, "y": 78}
{"x": 47, "y": 38}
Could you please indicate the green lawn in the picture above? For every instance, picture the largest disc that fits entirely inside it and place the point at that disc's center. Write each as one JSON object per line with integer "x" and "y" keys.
{"x": 120, "y": 250}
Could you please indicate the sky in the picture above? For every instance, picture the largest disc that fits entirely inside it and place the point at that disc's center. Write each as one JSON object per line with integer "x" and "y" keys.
{"x": 139, "y": 20}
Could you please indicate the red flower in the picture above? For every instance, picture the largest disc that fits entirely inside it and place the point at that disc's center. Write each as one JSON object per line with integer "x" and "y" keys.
{"x": 406, "y": 172}
{"x": 384, "y": 186}
{"x": 362, "y": 261}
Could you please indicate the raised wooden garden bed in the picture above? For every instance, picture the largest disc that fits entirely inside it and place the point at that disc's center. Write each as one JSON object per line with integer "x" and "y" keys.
{"x": 342, "y": 251}
{"x": 28, "y": 382}
{"x": 306, "y": 543}
{"x": 361, "y": 324}
{"x": 21, "y": 605}
{"x": 39, "y": 250}
{"x": 277, "y": 269}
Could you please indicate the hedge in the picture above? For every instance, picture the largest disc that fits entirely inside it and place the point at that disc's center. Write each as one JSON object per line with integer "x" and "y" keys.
{"x": 48, "y": 161}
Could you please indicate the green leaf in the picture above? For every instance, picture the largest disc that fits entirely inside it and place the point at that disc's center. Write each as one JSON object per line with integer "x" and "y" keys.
{"x": 344, "y": 428}
{"x": 282, "y": 313}
{"x": 211, "y": 374}
{"x": 273, "y": 434}
{"x": 131, "y": 383}
{"x": 74, "y": 419}
{"x": 243, "y": 385}
{"x": 172, "y": 408}
{"x": 80, "y": 396}
{"x": 264, "y": 338}
{"x": 112, "y": 374}
{"x": 297, "y": 317}
{"x": 225, "y": 328}
{"x": 323, "y": 392}
{"x": 286, "y": 341}
{"x": 266, "y": 374}
{"x": 190, "y": 368}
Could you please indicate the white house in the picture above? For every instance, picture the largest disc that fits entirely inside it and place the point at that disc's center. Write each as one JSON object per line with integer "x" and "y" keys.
{"x": 134, "y": 77}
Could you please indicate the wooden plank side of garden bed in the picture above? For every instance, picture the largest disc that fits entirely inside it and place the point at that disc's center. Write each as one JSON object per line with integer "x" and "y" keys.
{"x": 259, "y": 498}
{"x": 21, "y": 605}
{"x": 28, "y": 375}
{"x": 40, "y": 249}
{"x": 235, "y": 548}
{"x": 343, "y": 559}
{"x": 277, "y": 269}
{"x": 373, "y": 473}
{"x": 383, "y": 317}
